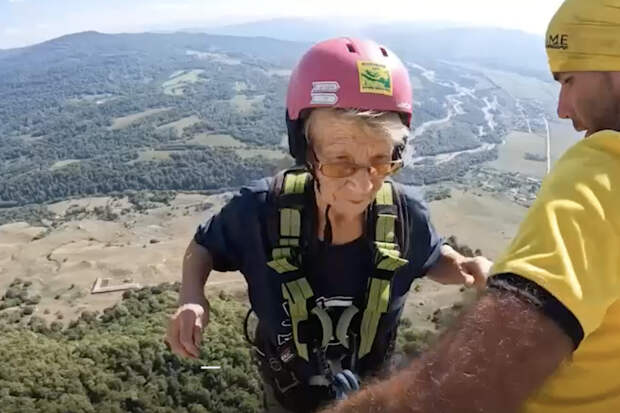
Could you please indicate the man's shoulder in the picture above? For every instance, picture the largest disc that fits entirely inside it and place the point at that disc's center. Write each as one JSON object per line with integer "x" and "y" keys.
{"x": 598, "y": 153}
{"x": 587, "y": 173}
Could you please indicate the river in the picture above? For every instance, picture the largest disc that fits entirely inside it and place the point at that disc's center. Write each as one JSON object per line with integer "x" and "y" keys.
{"x": 454, "y": 106}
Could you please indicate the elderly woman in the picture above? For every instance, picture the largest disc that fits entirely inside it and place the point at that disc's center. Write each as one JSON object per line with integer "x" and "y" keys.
{"x": 328, "y": 249}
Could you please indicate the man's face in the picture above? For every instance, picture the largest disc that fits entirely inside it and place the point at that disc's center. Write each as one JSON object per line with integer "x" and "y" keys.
{"x": 336, "y": 140}
{"x": 590, "y": 99}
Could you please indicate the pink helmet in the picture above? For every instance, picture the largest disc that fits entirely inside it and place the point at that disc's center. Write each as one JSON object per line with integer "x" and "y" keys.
{"x": 350, "y": 74}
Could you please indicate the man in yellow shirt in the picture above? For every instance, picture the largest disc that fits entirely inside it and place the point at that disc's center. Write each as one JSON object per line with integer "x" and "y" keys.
{"x": 545, "y": 338}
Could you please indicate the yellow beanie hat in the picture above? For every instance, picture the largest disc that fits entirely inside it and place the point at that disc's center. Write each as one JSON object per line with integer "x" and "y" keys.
{"x": 584, "y": 35}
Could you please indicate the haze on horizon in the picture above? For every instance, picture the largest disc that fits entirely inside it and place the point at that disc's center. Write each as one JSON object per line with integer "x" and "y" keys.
{"x": 26, "y": 22}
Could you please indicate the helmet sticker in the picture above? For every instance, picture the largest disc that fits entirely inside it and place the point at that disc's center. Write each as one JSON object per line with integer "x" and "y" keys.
{"x": 324, "y": 99}
{"x": 325, "y": 87}
{"x": 324, "y": 93}
{"x": 374, "y": 78}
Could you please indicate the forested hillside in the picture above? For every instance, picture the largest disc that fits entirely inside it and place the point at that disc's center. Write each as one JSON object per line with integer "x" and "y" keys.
{"x": 93, "y": 113}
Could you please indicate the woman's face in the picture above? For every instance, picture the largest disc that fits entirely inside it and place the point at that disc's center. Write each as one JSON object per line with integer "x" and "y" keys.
{"x": 337, "y": 139}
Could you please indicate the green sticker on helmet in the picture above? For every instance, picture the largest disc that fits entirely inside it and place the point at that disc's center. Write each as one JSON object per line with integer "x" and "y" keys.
{"x": 374, "y": 78}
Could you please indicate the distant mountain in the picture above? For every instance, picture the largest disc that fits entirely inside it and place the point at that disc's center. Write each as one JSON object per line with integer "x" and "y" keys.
{"x": 500, "y": 48}
{"x": 98, "y": 45}
{"x": 282, "y": 41}
{"x": 296, "y": 29}
{"x": 315, "y": 29}
{"x": 507, "y": 49}
{"x": 7, "y": 52}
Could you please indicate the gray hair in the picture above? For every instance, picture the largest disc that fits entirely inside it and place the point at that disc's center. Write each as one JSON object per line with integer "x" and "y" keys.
{"x": 387, "y": 123}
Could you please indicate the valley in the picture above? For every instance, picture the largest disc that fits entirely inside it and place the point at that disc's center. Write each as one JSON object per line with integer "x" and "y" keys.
{"x": 114, "y": 148}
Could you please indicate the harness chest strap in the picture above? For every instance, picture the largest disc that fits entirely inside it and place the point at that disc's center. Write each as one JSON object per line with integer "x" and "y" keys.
{"x": 387, "y": 261}
{"x": 287, "y": 257}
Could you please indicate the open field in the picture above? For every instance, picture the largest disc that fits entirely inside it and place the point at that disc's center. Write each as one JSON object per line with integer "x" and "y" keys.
{"x": 125, "y": 121}
{"x": 180, "y": 124}
{"x": 477, "y": 220}
{"x": 216, "y": 57}
{"x": 147, "y": 248}
{"x": 150, "y": 155}
{"x": 175, "y": 85}
{"x": 215, "y": 140}
{"x": 63, "y": 163}
{"x": 512, "y": 153}
{"x": 267, "y": 153}
{"x": 280, "y": 72}
{"x": 245, "y": 105}
{"x": 63, "y": 263}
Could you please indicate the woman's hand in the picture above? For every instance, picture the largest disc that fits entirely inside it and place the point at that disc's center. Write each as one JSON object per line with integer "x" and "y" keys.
{"x": 454, "y": 268}
{"x": 476, "y": 271}
{"x": 185, "y": 328}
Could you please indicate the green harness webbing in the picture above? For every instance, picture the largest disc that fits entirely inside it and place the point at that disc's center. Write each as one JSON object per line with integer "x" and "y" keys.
{"x": 287, "y": 261}
{"x": 387, "y": 261}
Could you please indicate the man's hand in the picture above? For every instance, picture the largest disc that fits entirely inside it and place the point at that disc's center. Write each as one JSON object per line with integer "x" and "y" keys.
{"x": 454, "y": 268}
{"x": 185, "y": 329}
{"x": 501, "y": 351}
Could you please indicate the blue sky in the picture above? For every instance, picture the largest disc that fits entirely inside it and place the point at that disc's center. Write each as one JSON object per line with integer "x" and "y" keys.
{"x": 24, "y": 22}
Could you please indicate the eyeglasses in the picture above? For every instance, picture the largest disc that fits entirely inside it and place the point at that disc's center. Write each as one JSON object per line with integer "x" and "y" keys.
{"x": 346, "y": 169}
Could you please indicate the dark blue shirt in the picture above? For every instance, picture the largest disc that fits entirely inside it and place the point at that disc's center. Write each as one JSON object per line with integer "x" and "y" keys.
{"x": 236, "y": 238}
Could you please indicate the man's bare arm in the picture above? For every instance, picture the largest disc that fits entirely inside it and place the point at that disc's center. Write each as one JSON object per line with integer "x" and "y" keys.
{"x": 500, "y": 352}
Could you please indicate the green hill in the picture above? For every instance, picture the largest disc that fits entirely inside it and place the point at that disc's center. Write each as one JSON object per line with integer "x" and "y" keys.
{"x": 117, "y": 362}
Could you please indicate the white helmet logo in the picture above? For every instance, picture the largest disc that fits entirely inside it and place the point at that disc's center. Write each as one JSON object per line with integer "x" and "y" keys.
{"x": 324, "y": 99}
{"x": 325, "y": 87}
{"x": 324, "y": 93}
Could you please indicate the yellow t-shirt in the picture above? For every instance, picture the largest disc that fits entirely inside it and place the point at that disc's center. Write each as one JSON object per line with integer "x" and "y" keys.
{"x": 569, "y": 244}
